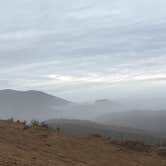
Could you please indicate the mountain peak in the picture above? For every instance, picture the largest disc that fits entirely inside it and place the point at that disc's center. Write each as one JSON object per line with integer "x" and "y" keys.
{"x": 29, "y": 104}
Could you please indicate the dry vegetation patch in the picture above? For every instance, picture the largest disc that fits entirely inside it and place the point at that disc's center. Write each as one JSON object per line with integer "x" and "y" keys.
{"x": 38, "y": 145}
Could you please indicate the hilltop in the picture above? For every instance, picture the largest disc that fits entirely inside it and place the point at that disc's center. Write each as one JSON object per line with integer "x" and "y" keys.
{"x": 40, "y": 146}
{"x": 30, "y": 104}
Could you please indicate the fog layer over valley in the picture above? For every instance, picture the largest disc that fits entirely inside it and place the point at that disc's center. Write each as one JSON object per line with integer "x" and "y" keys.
{"x": 105, "y": 117}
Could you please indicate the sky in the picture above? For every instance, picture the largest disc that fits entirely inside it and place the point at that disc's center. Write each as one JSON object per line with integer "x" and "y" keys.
{"x": 84, "y": 49}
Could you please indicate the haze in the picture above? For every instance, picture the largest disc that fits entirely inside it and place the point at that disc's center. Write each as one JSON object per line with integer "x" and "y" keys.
{"x": 84, "y": 50}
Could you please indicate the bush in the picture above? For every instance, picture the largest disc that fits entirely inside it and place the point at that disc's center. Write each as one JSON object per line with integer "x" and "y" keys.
{"x": 134, "y": 145}
{"x": 44, "y": 125}
{"x": 97, "y": 135}
{"x": 58, "y": 129}
{"x": 18, "y": 121}
{"x": 24, "y": 122}
{"x": 11, "y": 119}
{"x": 35, "y": 123}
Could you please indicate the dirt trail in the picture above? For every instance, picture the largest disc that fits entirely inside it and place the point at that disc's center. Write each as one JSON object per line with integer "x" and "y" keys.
{"x": 37, "y": 146}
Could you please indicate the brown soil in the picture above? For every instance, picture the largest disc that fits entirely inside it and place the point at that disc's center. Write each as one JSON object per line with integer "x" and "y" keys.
{"x": 39, "y": 146}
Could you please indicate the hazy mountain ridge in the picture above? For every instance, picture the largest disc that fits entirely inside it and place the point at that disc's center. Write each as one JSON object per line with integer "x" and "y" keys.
{"x": 151, "y": 121}
{"x": 10, "y": 94}
{"x": 29, "y": 105}
{"x": 87, "y": 128}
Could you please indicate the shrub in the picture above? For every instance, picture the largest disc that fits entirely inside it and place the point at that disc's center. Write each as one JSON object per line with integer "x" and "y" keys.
{"x": 18, "y": 121}
{"x": 58, "y": 129}
{"x": 35, "y": 123}
{"x": 135, "y": 145}
{"x": 11, "y": 119}
{"x": 97, "y": 135}
{"x": 24, "y": 122}
{"x": 44, "y": 125}
{"x": 26, "y": 127}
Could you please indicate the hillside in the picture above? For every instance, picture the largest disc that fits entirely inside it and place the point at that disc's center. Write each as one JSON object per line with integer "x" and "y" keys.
{"x": 150, "y": 121}
{"x": 86, "y": 128}
{"x": 26, "y": 105}
{"x": 38, "y": 146}
{"x": 32, "y": 104}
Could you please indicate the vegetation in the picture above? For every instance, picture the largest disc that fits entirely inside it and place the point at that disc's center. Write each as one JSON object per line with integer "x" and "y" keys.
{"x": 97, "y": 135}
{"x": 44, "y": 125}
{"x": 35, "y": 123}
{"x": 11, "y": 119}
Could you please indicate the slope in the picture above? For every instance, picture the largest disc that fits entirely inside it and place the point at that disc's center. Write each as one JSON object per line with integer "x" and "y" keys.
{"x": 39, "y": 146}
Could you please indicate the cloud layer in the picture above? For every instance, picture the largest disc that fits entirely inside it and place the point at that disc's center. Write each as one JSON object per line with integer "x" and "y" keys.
{"x": 67, "y": 48}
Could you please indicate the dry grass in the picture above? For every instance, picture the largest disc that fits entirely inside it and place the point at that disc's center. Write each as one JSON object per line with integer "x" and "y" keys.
{"x": 39, "y": 146}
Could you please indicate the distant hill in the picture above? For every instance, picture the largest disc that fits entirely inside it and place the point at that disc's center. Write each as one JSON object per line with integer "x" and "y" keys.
{"x": 86, "y": 128}
{"x": 90, "y": 111}
{"x": 36, "y": 105}
{"x": 28, "y": 104}
{"x": 151, "y": 121}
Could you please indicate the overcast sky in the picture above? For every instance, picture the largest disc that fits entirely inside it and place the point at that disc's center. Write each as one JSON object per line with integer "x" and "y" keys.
{"x": 84, "y": 49}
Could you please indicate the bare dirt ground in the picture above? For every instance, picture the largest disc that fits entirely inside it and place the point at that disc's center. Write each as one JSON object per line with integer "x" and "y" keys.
{"x": 37, "y": 146}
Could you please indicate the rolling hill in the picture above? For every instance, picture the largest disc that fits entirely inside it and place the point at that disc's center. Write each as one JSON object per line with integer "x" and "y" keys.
{"x": 22, "y": 145}
{"x": 86, "y": 128}
{"x": 36, "y": 105}
{"x": 28, "y": 105}
{"x": 150, "y": 121}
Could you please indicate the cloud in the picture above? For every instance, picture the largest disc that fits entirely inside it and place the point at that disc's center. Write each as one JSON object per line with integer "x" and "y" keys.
{"x": 83, "y": 43}
{"x": 112, "y": 79}
{"x": 26, "y": 67}
{"x": 40, "y": 74}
